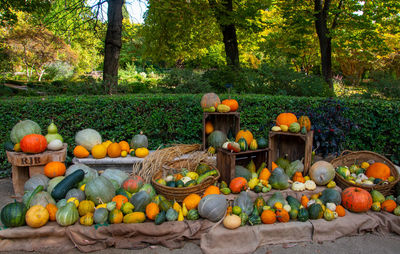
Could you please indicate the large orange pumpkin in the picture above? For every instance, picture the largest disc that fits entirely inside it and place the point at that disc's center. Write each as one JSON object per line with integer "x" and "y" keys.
{"x": 286, "y": 119}
{"x": 33, "y": 143}
{"x": 210, "y": 100}
{"x": 211, "y": 190}
{"x": 114, "y": 150}
{"x": 54, "y": 168}
{"x": 246, "y": 134}
{"x": 238, "y": 184}
{"x": 378, "y": 170}
{"x": 232, "y": 103}
{"x": 305, "y": 121}
{"x": 192, "y": 201}
{"x": 356, "y": 199}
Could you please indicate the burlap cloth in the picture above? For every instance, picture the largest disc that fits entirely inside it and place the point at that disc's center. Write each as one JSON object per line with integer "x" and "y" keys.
{"x": 213, "y": 237}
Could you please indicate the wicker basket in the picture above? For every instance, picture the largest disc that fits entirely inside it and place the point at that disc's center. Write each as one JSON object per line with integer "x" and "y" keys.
{"x": 348, "y": 158}
{"x": 178, "y": 194}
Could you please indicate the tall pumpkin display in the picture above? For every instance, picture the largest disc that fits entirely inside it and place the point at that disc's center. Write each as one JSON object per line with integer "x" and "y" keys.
{"x": 286, "y": 119}
{"x": 210, "y": 100}
{"x": 304, "y": 121}
{"x": 356, "y": 199}
{"x": 33, "y": 143}
{"x": 88, "y": 138}
{"x": 23, "y": 128}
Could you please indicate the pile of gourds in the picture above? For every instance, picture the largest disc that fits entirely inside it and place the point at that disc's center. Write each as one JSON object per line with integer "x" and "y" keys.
{"x": 390, "y": 204}
{"x": 288, "y": 122}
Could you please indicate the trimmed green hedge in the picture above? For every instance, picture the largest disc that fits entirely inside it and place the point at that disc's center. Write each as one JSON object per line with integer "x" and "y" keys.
{"x": 167, "y": 119}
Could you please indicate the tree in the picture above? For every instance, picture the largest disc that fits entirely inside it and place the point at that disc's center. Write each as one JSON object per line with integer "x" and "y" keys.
{"x": 9, "y": 9}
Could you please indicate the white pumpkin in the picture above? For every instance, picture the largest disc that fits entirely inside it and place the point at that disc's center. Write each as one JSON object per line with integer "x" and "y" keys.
{"x": 55, "y": 145}
{"x": 232, "y": 221}
{"x": 310, "y": 185}
{"x": 88, "y": 138}
{"x": 298, "y": 186}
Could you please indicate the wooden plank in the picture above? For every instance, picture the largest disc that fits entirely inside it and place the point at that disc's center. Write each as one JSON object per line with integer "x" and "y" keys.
{"x": 245, "y": 152}
{"x": 35, "y": 170}
{"x": 19, "y": 176}
{"x": 25, "y": 160}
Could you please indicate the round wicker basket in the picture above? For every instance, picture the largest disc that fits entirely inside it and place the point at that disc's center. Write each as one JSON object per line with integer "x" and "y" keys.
{"x": 348, "y": 158}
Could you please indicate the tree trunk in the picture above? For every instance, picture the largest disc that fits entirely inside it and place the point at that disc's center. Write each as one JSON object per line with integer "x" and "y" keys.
{"x": 228, "y": 30}
{"x": 112, "y": 45}
{"x": 325, "y": 45}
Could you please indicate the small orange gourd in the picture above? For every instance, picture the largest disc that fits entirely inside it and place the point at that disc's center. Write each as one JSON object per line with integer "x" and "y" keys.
{"x": 282, "y": 215}
{"x": 298, "y": 177}
{"x": 152, "y": 210}
{"x": 124, "y": 146}
{"x": 192, "y": 201}
{"x": 80, "y": 152}
{"x": 264, "y": 174}
{"x": 209, "y": 127}
{"x": 211, "y": 190}
{"x": 268, "y": 217}
{"x": 119, "y": 200}
{"x": 54, "y": 168}
{"x": 388, "y": 205}
{"x": 274, "y": 166}
{"x": 340, "y": 211}
{"x": 52, "y": 209}
{"x": 304, "y": 200}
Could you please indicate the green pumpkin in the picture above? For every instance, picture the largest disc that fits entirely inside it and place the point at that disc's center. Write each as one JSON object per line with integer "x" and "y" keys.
{"x": 100, "y": 216}
{"x": 294, "y": 166}
{"x": 216, "y": 139}
{"x": 139, "y": 141}
{"x": 61, "y": 203}
{"x": 23, "y": 128}
{"x": 171, "y": 215}
{"x": 140, "y": 200}
{"x": 53, "y": 182}
{"x": 243, "y": 144}
{"x": 315, "y": 211}
{"x": 276, "y": 197}
{"x": 42, "y": 198}
{"x": 115, "y": 174}
{"x": 213, "y": 207}
{"x": 67, "y": 215}
{"x": 259, "y": 203}
{"x": 13, "y": 214}
{"x": 100, "y": 190}
{"x": 192, "y": 214}
{"x": 293, "y": 202}
{"x": 29, "y": 195}
{"x": 331, "y": 196}
{"x": 278, "y": 179}
{"x": 262, "y": 143}
{"x": 242, "y": 172}
{"x": 76, "y": 193}
{"x": 303, "y": 215}
{"x": 244, "y": 202}
{"x": 294, "y": 127}
{"x": 160, "y": 218}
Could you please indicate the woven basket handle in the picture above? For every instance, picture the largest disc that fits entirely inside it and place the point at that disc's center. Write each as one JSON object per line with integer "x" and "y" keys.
{"x": 345, "y": 151}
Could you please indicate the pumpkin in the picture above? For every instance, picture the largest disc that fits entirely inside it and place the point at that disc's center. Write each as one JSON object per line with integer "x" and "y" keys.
{"x": 192, "y": 201}
{"x": 35, "y": 181}
{"x": 135, "y": 217}
{"x": 61, "y": 203}
{"x": 211, "y": 190}
{"x": 262, "y": 143}
{"x": 88, "y": 138}
{"x": 356, "y": 199}
{"x": 282, "y": 215}
{"x": 115, "y": 216}
{"x": 13, "y": 214}
{"x": 388, "y": 205}
{"x": 140, "y": 200}
{"x": 99, "y": 189}
{"x": 115, "y": 174}
{"x": 80, "y": 152}
{"x": 304, "y": 121}
{"x": 53, "y": 182}
{"x": 232, "y": 103}
{"x": 119, "y": 200}
{"x": 238, "y": 184}
{"x": 213, "y": 207}
{"x": 139, "y": 141}
{"x": 209, "y": 127}
{"x": 286, "y": 119}
{"x": 193, "y": 214}
{"x": 378, "y": 170}
{"x": 279, "y": 180}
{"x": 322, "y": 172}
{"x": 246, "y": 134}
{"x": 52, "y": 209}
{"x": 100, "y": 216}
{"x": 133, "y": 184}
{"x": 90, "y": 173}
{"x": 87, "y": 219}
{"x": 152, "y": 210}
{"x": 377, "y": 196}
{"x": 42, "y": 198}
{"x": 85, "y": 207}
{"x": 294, "y": 127}
{"x": 241, "y": 171}
{"x": 33, "y": 143}
{"x": 268, "y": 217}
{"x": 23, "y": 128}
{"x": 264, "y": 174}
{"x": 37, "y": 216}
{"x": 245, "y": 203}
{"x": 298, "y": 177}
{"x": 141, "y": 152}
{"x": 124, "y": 146}
{"x": 55, "y": 145}
{"x": 147, "y": 187}
{"x": 99, "y": 151}
{"x": 232, "y": 221}
{"x": 216, "y": 139}
{"x": 340, "y": 211}
{"x": 54, "y": 168}
{"x": 330, "y": 196}
{"x": 315, "y": 211}
{"x": 114, "y": 150}
{"x": 242, "y": 144}
{"x": 210, "y": 100}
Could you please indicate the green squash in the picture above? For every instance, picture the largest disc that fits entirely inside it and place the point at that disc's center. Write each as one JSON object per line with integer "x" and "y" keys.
{"x": 160, "y": 218}
{"x": 242, "y": 144}
{"x": 202, "y": 168}
{"x": 171, "y": 215}
{"x": 244, "y": 218}
{"x": 259, "y": 203}
{"x": 61, "y": 203}
{"x": 138, "y": 141}
{"x": 42, "y": 198}
{"x": 23, "y": 128}
{"x": 293, "y": 213}
{"x": 100, "y": 216}
{"x": 294, "y": 166}
{"x": 192, "y": 214}
{"x": 115, "y": 174}
{"x": 69, "y": 182}
{"x": 315, "y": 211}
{"x": 331, "y": 196}
{"x": 90, "y": 173}
{"x": 76, "y": 193}
{"x": 213, "y": 207}
{"x": 29, "y": 195}
{"x": 276, "y": 197}
{"x": 53, "y": 182}
{"x": 100, "y": 190}
{"x": 242, "y": 172}
{"x": 254, "y": 218}
{"x": 262, "y": 143}
{"x": 67, "y": 215}
{"x": 282, "y": 163}
{"x": 293, "y": 202}
{"x": 190, "y": 183}
{"x": 140, "y": 200}
{"x": 244, "y": 201}
{"x": 88, "y": 138}
{"x": 13, "y": 214}
{"x": 216, "y": 139}
{"x": 149, "y": 189}
{"x": 294, "y": 127}
{"x": 302, "y": 215}
{"x": 278, "y": 179}
{"x": 180, "y": 184}
{"x": 35, "y": 181}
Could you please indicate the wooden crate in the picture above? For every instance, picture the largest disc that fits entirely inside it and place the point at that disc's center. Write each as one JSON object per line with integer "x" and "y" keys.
{"x": 222, "y": 122}
{"x": 227, "y": 160}
{"x": 295, "y": 145}
{"x": 26, "y": 165}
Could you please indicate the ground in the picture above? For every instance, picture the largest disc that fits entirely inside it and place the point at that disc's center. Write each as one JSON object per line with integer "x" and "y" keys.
{"x": 369, "y": 243}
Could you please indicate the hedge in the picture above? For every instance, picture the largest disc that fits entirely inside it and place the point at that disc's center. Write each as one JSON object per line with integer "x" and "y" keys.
{"x": 169, "y": 119}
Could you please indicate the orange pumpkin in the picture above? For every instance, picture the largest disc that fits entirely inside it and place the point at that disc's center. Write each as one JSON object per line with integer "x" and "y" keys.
{"x": 274, "y": 166}
{"x": 114, "y": 150}
{"x": 246, "y": 134}
{"x": 192, "y": 201}
{"x": 232, "y": 103}
{"x": 356, "y": 199}
{"x": 209, "y": 127}
{"x": 264, "y": 174}
{"x": 211, "y": 190}
{"x": 378, "y": 170}
{"x": 304, "y": 121}
{"x": 152, "y": 210}
{"x": 286, "y": 119}
{"x": 52, "y": 209}
{"x": 268, "y": 217}
{"x": 210, "y": 100}
{"x": 388, "y": 205}
{"x": 304, "y": 200}
{"x": 238, "y": 184}
{"x": 178, "y": 176}
{"x": 80, "y": 152}
{"x": 340, "y": 211}
{"x": 54, "y": 168}
{"x": 282, "y": 215}
{"x": 124, "y": 146}
{"x": 119, "y": 200}
{"x": 298, "y": 177}
{"x": 33, "y": 143}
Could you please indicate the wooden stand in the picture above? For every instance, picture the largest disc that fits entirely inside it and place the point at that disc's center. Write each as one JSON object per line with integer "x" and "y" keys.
{"x": 227, "y": 160}
{"x": 26, "y": 165}
{"x": 295, "y": 145}
{"x": 222, "y": 122}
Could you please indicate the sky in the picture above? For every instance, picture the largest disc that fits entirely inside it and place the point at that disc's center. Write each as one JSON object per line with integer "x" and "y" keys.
{"x": 136, "y": 9}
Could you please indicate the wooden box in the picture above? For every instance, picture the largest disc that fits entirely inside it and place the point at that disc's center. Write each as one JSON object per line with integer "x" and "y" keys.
{"x": 227, "y": 160}
{"x": 222, "y": 122}
{"x": 295, "y": 145}
{"x": 26, "y": 165}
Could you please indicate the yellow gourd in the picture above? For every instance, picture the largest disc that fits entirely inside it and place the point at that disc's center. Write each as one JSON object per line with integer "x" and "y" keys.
{"x": 184, "y": 210}
{"x": 87, "y": 219}
{"x": 141, "y": 152}
{"x": 37, "y": 216}
{"x": 135, "y": 217}
{"x": 176, "y": 207}
{"x": 85, "y": 207}
{"x": 73, "y": 200}
{"x": 180, "y": 215}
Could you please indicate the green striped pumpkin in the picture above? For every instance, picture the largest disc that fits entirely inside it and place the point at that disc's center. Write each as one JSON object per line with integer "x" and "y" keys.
{"x": 13, "y": 214}
{"x": 192, "y": 214}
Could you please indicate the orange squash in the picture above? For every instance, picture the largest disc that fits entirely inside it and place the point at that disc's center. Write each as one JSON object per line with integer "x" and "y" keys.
{"x": 246, "y": 134}
{"x": 211, "y": 190}
{"x": 298, "y": 177}
{"x": 282, "y": 215}
{"x": 119, "y": 200}
{"x": 37, "y": 216}
{"x": 304, "y": 121}
{"x": 114, "y": 150}
{"x": 209, "y": 127}
{"x": 264, "y": 174}
{"x": 238, "y": 184}
{"x": 274, "y": 166}
{"x": 124, "y": 146}
{"x": 286, "y": 119}
{"x": 52, "y": 209}
{"x": 268, "y": 217}
{"x": 80, "y": 152}
{"x": 192, "y": 201}
{"x": 54, "y": 168}
{"x": 388, "y": 205}
{"x": 152, "y": 210}
{"x": 304, "y": 200}
{"x": 232, "y": 103}
{"x": 340, "y": 211}
{"x": 378, "y": 170}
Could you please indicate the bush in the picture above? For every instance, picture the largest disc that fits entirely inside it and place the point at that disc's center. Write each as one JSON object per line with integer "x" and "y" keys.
{"x": 169, "y": 119}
